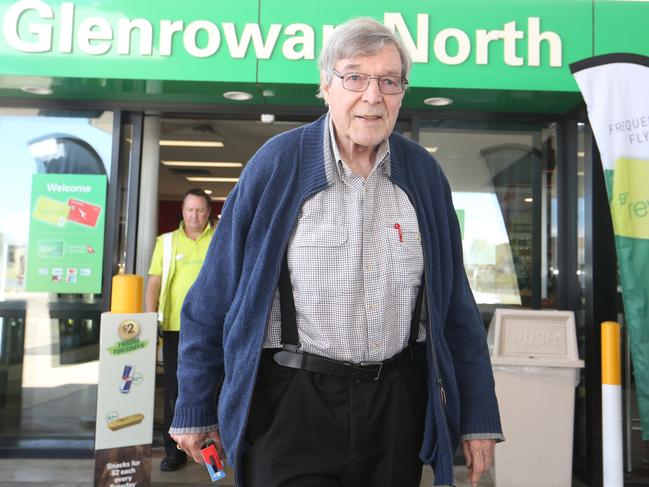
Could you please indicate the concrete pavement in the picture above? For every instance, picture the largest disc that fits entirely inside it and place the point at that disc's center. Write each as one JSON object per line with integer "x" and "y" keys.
{"x": 79, "y": 473}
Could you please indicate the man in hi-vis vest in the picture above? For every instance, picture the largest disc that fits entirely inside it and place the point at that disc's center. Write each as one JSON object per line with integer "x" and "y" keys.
{"x": 177, "y": 259}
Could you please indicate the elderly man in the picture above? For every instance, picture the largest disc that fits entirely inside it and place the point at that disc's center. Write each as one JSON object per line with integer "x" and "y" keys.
{"x": 332, "y": 322}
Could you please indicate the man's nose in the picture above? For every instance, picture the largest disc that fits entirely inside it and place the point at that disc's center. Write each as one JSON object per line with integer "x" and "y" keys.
{"x": 373, "y": 94}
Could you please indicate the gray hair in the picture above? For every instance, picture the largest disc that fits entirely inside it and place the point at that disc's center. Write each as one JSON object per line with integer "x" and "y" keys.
{"x": 362, "y": 36}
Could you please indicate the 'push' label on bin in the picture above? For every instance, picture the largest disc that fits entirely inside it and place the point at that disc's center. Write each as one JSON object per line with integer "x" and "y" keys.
{"x": 524, "y": 337}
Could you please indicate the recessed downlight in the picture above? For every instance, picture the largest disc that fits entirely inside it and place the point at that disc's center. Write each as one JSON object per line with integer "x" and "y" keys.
{"x": 237, "y": 95}
{"x": 36, "y": 90}
{"x": 438, "y": 101}
{"x": 190, "y": 143}
{"x": 201, "y": 164}
{"x": 209, "y": 179}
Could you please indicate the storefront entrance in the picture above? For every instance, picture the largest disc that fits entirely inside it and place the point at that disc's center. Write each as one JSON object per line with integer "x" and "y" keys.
{"x": 521, "y": 186}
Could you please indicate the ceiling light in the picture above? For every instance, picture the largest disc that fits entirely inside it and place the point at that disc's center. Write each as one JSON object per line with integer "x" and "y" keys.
{"x": 201, "y": 164}
{"x": 36, "y": 90}
{"x": 438, "y": 101}
{"x": 237, "y": 95}
{"x": 268, "y": 93}
{"x": 581, "y": 153}
{"x": 203, "y": 179}
{"x": 432, "y": 150}
{"x": 267, "y": 117}
{"x": 191, "y": 143}
{"x": 528, "y": 200}
{"x": 218, "y": 198}
{"x": 207, "y": 191}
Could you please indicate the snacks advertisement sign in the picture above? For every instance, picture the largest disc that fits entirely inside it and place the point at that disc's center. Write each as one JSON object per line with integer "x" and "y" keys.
{"x": 125, "y": 397}
{"x": 66, "y": 233}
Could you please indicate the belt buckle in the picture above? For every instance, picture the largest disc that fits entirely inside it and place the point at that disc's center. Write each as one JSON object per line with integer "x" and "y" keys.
{"x": 378, "y": 372}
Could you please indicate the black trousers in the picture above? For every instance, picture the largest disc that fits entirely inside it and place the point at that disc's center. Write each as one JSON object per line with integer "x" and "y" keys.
{"x": 307, "y": 429}
{"x": 170, "y": 358}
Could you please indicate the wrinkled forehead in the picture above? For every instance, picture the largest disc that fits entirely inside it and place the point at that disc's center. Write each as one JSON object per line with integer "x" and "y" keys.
{"x": 387, "y": 59}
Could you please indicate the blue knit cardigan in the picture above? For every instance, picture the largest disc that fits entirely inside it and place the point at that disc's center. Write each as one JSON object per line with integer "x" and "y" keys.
{"x": 224, "y": 317}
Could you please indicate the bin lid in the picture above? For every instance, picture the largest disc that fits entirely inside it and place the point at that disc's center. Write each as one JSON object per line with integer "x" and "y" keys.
{"x": 533, "y": 338}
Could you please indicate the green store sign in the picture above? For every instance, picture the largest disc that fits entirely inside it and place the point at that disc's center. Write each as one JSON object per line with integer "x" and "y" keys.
{"x": 523, "y": 45}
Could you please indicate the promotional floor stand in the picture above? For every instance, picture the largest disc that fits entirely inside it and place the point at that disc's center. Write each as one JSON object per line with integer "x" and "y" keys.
{"x": 126, "y": 387}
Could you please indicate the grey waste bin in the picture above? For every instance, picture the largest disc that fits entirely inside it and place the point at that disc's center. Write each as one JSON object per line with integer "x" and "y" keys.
{"x": 536, "y": 369}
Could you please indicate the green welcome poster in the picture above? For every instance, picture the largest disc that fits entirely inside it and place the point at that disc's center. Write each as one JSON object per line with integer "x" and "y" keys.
{"x": 66, "y": 233}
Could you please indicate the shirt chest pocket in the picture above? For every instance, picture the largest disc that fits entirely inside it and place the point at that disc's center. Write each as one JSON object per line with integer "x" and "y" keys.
{"x": 321, "y": 236}
{"x": 317, "y": 258}
{"x": 404, "y": 243}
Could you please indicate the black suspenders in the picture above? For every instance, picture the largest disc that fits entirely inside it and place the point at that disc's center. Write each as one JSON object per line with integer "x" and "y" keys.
{"x": 290, "y": 339}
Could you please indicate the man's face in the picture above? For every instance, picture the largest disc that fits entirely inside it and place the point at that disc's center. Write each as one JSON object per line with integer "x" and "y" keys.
{"x": 195, "y": 213}
{"x": 364, "y": 118}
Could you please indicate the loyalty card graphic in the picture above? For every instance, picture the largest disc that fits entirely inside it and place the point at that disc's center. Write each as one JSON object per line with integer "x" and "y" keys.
{"x": 51, "y": 211}
{"x": 50, "y": 248}
{"x": 83, "y": 213}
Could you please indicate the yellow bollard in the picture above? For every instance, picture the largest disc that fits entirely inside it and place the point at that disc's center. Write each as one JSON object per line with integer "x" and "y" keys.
{"x": 611, "y": 406}
{"x": 126, "y": 296}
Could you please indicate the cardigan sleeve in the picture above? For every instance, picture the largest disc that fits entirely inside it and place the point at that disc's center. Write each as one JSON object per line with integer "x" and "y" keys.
{"x": 206, "y": 306}
{"x": 466, "y": 339}
{"x": 200, "y": 351}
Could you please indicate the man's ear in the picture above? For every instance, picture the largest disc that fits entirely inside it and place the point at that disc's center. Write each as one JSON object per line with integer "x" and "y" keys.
{"x": 324, "y": 86}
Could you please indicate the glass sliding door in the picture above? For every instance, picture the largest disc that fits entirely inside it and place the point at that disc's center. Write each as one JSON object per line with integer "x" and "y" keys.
{"x": 504, "y": 190}
{"x": 54, "y": 178}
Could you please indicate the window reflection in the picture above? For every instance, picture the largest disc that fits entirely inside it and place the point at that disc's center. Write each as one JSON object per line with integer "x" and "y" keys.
{"x": 48, "y": 340}
{"x": 488, "y": 257}
{"x": 503, "y": 188}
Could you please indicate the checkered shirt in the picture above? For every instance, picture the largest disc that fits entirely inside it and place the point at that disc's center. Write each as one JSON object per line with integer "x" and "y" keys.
{"x": 356, "y": 264}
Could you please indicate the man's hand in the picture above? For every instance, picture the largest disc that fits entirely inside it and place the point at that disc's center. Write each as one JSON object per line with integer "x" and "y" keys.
{"x": 193, "y": 442}
{"x": 479, "y": 456}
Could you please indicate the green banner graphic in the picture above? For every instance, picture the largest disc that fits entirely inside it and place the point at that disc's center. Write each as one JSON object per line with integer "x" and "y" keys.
{"x": 630, "y": 198}
{"x": 509, "y": 45}
{"x": 66, "y": 233}
{"x": 616, "y": 91}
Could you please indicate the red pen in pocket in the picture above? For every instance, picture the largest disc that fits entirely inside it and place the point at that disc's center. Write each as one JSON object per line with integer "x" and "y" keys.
{"x": 398, "y": 228}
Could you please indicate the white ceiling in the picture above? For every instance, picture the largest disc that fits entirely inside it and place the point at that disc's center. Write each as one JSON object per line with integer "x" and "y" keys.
{"x": 470, "y": 159}
{"x": 241, "y": 139}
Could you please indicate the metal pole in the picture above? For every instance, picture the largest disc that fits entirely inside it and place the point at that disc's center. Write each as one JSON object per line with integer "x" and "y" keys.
{"x": 611, "y": 406}
{"x": 148, "y": 210}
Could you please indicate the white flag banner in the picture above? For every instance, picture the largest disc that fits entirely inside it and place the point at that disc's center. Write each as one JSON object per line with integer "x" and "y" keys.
{"x": 616, "y": 90}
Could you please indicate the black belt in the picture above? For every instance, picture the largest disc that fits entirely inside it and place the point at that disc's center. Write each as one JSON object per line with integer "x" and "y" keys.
{"x": 362, "y": 372}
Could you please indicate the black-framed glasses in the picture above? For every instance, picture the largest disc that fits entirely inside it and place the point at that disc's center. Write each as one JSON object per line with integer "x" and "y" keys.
{"x": 388, "y": 84}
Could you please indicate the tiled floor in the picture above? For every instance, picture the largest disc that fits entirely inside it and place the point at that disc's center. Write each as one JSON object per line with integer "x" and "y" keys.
{"x": 79, "y": 473}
